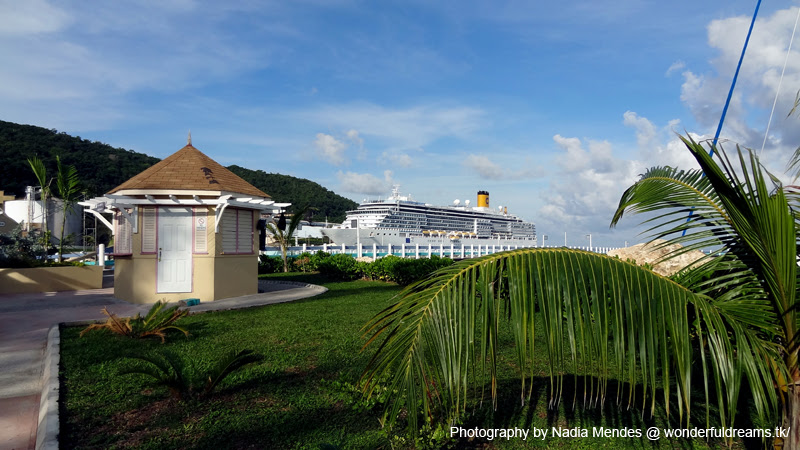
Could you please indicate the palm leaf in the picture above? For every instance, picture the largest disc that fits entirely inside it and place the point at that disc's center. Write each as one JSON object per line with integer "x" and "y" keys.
{"x": 162, "y": 369}
{"x": 230, "y": 363}
{"x": 598, "y": 311}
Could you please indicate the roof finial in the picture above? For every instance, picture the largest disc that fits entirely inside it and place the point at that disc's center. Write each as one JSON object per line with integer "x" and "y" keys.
{"x": 190, "y": 138}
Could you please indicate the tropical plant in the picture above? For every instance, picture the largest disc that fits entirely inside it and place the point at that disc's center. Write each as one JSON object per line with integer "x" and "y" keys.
{"x": 181, "y": 377}
{"x": 40, "y": 172}
{"x": 733, "y": 318}
{"x": 283, "y": 233}
{"x": 68, "y": 187}
{"x": 341, "y": 267}
{"x": 19, "y": 249}
{"x": 269, "y": 264}
{"x": 156, "y": 323}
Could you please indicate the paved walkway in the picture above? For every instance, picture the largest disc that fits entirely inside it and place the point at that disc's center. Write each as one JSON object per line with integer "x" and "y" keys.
{"x": 26, "y": 318}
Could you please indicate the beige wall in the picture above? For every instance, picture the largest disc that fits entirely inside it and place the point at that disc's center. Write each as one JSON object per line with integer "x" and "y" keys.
{"x": 235, "y": 276}
{"x": 50, "y": 279}
{"x": 214, "y": 276}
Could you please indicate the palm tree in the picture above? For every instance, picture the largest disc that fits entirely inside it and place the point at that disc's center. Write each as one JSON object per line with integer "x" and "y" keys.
{"x": 40, "y": 172}
{"x": 282, "y": 233}
{"x": 733, "y": 317}
{"x": 69, "y": 187}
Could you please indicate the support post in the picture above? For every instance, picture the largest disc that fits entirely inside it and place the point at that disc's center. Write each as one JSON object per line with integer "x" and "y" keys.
{"x": 101, "y": 255}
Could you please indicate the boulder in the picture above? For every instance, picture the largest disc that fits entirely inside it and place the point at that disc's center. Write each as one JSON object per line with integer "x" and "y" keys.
{"x": 650, "y": 254}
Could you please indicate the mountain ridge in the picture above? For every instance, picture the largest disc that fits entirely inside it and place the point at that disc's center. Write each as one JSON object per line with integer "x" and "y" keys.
{"x": 102, "y": 167}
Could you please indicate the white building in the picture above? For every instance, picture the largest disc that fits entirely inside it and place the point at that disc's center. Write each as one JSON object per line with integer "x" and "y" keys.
{"x": 28, "y": 213}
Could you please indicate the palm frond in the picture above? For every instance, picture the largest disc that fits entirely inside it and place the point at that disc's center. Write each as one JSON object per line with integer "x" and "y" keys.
{"x": 156, "y": 323}
{"x": 230, "y": 363}
{"x": 40, "y": 172}
{"x": 598, "y": 312}
{"x": 764, "y": 225}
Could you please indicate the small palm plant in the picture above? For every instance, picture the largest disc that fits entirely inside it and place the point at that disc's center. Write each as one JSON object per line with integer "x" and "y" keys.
{"x": 156, "y": 323}
{"x": 68, "y": 186}
{"x": 283, "y": 234}
{"x": 180, "y": 376}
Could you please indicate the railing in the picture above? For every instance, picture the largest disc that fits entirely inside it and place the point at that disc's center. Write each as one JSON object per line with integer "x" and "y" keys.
{"x": 413, "y": 251}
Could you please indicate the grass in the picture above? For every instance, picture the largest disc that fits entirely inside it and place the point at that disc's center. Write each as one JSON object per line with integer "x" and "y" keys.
{"x": 302, "y": 395}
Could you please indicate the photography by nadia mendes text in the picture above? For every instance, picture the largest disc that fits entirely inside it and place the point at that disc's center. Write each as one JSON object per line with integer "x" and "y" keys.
{"x": 652, "y": 433}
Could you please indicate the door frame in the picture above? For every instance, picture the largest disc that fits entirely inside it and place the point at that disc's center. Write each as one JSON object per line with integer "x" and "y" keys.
{"x": 160, "y": 214}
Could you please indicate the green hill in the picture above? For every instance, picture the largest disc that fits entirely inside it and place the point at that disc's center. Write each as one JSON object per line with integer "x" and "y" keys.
{"x": 102, "y": 168}
{"x": 322, "y": 202}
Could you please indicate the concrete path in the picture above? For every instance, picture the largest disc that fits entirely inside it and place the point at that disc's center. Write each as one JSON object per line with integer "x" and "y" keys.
{"x": 26, "y": 318}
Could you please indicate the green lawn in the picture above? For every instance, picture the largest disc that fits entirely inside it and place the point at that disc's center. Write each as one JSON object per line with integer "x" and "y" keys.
{"x": 302, "y": 395}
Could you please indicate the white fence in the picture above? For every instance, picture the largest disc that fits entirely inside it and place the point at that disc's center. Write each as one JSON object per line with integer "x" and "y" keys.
{"x": 413, "y": 251}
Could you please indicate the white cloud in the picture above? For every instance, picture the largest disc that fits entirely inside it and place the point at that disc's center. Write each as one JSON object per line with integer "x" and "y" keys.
{"x": 399, "y": 128}
{"x": 596, "y": 158}
{"x": 365, "y": 183}
{"x": 354, "y": 137}
{"x": 331, "y": 149}
{"x": 586, "y": 187}
{"x": 675, "y": 67}
{"x": 488, "y": 168}
{"x": 397, "y": 159}
{"x": 485, "y": 167}
{"x": 31, "y": 17}
{"x": 645, "y": 130}
{"x": 98, "y": 53}
{"x": 704, "y": 94}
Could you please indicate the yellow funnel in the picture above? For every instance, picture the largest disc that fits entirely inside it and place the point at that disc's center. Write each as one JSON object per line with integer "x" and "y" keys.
{"x": 483, "y": 199}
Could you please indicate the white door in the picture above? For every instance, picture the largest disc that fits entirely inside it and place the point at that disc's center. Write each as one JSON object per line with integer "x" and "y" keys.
{"x": 174, "y": 266}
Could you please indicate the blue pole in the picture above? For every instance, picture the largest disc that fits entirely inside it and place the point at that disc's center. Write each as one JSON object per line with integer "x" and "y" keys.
{"x": 733, "y": 84}
{"x": 730, "y": 94}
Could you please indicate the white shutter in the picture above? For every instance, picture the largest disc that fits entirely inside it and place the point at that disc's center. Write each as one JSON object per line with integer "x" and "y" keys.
{"x": 245, "y": 231}
{"x": 148, "y": 229}
{"x": 123, "y": 244}
{"x": 229, "y": 219}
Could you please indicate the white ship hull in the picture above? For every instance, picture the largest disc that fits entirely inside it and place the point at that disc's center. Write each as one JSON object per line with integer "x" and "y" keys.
{"x": 383, "y": 237}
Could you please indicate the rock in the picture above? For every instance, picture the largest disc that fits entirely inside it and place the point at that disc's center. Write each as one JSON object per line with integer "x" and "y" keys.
{"x": 647, "y": 253}
{"x": 365, "y": 259}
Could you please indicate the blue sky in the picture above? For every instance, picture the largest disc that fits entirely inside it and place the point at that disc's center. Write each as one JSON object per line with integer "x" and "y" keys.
{"x": 553, "y": 108}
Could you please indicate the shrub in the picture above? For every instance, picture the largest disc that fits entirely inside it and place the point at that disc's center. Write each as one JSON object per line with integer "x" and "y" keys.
{"x": 318, "y": 258}
{"x": 20, "y": 250}
{"x": 269, "y": 264}
{"x": 156, "y": 323}
{"x": 301, "y": 263}
{"x": 308, "y": 262}
{"x": 383, "y": 269}
{"x": 407, "y": 271}
{"x": 340, "y": 267}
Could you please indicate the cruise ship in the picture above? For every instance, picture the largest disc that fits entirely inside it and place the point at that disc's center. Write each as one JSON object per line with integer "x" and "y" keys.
{"x": 399, "y": 220}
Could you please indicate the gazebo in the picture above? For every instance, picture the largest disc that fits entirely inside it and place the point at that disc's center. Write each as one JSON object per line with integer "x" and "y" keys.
{"x": 184, "y": 228}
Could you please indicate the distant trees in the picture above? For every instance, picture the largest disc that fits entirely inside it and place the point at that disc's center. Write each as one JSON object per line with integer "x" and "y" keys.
{"x": 100, "y": 166}
{"x": 324, "y": 204}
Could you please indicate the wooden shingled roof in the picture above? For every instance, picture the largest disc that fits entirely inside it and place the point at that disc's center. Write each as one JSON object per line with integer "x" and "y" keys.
{"x": 189, "y": 169}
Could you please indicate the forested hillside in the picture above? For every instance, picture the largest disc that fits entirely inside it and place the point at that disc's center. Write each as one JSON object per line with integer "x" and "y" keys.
{"x": 102, "y": 168}
{"x": 322, "y": 203}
